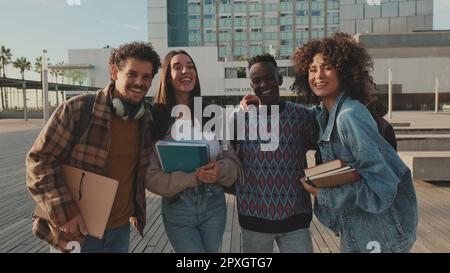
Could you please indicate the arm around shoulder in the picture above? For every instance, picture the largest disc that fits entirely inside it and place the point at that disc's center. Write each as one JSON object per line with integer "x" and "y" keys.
{"x": 229, "y": 167}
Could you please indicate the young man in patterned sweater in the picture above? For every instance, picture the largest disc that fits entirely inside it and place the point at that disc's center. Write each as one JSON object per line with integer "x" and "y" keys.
{"x": 272, "y": 204}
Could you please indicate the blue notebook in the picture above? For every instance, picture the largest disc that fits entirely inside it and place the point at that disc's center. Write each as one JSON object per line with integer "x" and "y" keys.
{"x": 181, "y": 156}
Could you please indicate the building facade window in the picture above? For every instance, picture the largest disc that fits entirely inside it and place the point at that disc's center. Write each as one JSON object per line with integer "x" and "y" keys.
{"x": 248, "y": 27}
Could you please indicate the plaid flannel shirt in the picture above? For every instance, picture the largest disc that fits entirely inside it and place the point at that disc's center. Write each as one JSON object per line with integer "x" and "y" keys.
{"x": 51, "y": 149}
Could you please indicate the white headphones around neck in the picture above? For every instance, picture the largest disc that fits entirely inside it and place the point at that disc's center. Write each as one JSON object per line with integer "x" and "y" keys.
{"x": 123, "y": 110}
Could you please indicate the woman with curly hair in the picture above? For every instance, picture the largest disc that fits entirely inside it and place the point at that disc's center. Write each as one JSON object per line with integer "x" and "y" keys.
{"x": 378, "y": 212}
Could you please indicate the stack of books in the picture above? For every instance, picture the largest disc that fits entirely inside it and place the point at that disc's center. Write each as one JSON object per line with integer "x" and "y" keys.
{"x": 333, "y": 173}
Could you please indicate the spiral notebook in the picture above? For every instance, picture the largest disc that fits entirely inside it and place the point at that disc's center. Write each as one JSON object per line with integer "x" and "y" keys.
{"x": 94, "y": 195}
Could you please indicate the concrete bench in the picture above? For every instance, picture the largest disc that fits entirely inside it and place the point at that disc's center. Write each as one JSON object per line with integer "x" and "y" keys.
{"x": 435, "y": 142}
{"x": 419, "y": 131}
{"x": 431, "y": 166}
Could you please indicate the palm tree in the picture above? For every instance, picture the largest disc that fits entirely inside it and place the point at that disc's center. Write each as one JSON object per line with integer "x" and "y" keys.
{"x": 38, "y": 66}
{"x": 38, "y": 69}
{"x": 80, "y": 76}
{"x": 23, "y": 65}
{"x": 54, "y": 73}
{"x": 5, "y": 59}
{"x": 62, "y": 73}
{"x": 77, "y": 76}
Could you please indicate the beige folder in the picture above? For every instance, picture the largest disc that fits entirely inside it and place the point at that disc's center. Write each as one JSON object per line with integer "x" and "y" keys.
{"x": 94, "y": 195}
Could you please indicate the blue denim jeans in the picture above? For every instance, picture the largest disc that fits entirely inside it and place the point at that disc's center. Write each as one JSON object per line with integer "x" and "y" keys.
{"x": 195, "y": 219}
{"x": 297, "y": 241}
{"x": 114, "y": 241}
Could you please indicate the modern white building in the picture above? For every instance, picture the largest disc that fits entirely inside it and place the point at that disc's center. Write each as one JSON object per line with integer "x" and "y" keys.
{"x": 86, "y": 67}
{"x": 93, "y": 63}
{"x": 418, "y": 61}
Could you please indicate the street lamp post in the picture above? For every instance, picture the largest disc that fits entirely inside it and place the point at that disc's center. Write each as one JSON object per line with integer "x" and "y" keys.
{"x": 45, "y": 85}
{"x": 56, "y": 92}
{"x": 436, "y": 100}
{"x": 24, "y": 94}
{"x": 390, "y": 94}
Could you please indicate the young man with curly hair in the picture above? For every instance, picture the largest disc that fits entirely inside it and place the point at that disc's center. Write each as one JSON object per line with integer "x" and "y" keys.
{"x": 116, "y": 144}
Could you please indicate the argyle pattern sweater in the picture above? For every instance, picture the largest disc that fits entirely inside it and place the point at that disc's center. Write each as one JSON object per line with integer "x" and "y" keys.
{"x": 271, "y": 198}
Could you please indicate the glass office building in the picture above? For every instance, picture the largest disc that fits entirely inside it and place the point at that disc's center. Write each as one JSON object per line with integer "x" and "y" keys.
{"x": 241, "y": 28}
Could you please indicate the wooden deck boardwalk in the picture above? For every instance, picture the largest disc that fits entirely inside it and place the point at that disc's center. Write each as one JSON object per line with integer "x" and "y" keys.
{"x": 16, "y": 207}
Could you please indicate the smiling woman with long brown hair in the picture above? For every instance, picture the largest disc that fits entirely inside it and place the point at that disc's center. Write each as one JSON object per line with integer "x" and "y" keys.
{"x": 193, "y": 204}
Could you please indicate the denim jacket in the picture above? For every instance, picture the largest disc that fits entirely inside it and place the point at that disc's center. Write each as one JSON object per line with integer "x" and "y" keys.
{"x": 381, "y": 208}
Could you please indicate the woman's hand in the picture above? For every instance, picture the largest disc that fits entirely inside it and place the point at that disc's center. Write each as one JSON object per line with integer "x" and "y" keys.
{"x": 208, "y": 173}
{"x": 309, "y": 188}
{"x": 248, "y": 100}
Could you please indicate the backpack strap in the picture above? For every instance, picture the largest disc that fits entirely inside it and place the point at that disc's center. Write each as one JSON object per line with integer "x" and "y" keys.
{"x": 86, "y": 116}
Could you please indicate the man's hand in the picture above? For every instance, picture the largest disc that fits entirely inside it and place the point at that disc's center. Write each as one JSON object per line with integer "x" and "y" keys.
{"x": 208, "y": 173}
{"x": 248, "y": 100}
{"x": 75, "y": 226}
{"x": 309, "y": 188}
